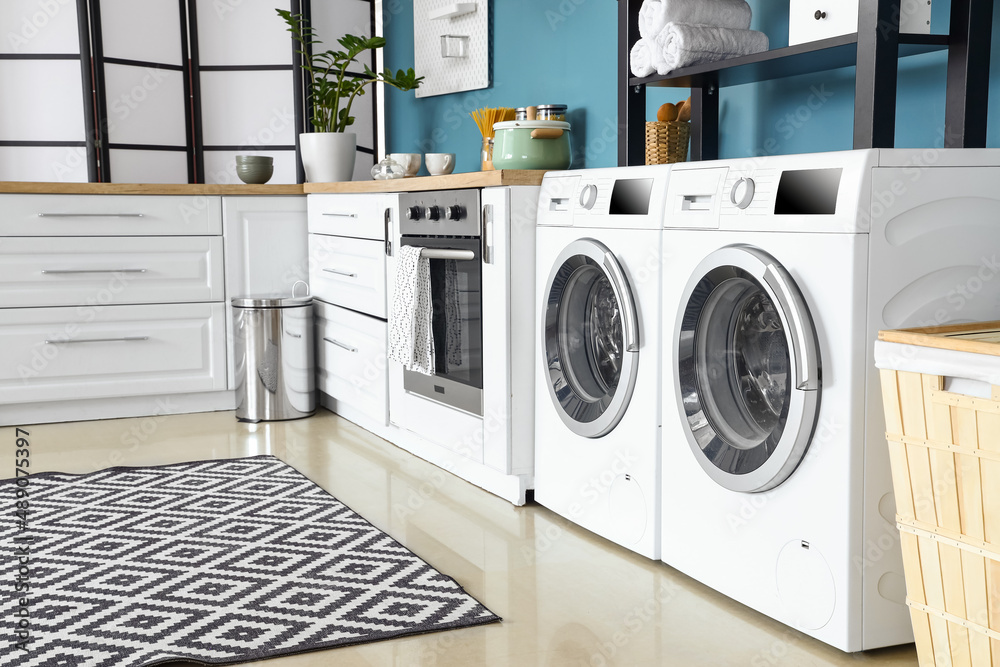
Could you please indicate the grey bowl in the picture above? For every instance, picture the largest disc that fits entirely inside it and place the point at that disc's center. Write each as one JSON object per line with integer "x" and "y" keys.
{"x": 254, "y": 174}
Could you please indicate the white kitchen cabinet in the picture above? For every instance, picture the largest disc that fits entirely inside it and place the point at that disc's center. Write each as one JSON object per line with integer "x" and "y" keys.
{"x": 110, "y": 215}
{"x": 349, "y": 272}
{"x": 266, "y": 250}
{"x": 111, "y": 306}
{"x": 353, "y": 216}
{"x": 57, "y": 354}
{"x": 74, "y": 271}
{"x": 493, "y": 451}
{"x": 509, "y": 330}
{"x": 351, "y": 361}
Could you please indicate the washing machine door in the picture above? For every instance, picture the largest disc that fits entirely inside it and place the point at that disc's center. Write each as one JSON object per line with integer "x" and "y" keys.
{"x": 748, "y": 369}
{"x": 590, "y": 337}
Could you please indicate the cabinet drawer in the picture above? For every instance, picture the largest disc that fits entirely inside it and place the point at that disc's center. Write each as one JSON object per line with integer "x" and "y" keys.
{"x": 348, "y": 272}
{"x": 110, "y": 270}
{"x": 811, "y": 20}
{"x": 351, "y": 361}
{"x": 51, "y": 354}
{"x": 110, "y": 215}
{"x": 358, "y": 216}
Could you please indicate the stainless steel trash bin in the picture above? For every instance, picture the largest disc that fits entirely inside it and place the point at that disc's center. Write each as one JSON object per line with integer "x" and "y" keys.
{"x": 273, "y": 348}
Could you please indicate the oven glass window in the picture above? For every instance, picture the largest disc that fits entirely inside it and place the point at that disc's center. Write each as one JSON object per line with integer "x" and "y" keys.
{"x": 457, "y": 320}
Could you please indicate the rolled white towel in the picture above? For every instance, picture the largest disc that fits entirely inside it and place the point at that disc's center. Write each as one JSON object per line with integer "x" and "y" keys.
{"x": 641, "y": 59}
{"x": 682, "y": 45}
{"x": 654, "y": 15}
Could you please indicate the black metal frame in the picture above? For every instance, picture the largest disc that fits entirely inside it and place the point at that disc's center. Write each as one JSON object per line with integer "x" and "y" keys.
{"x": 103, "y": 140}
{"x": 875, "y": 50}
{"x": 196, "y": 138}
{"x": 301, "y": 92}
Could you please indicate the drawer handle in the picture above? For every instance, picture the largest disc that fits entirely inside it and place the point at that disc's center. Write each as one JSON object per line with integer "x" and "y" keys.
{"x": 341, "y": 215}
{"x": 64, "y": 271}
{"x": 819, "y": 15}
{"x": 90, "y": 215}
{"x": 292, "y": 335}
{"x": 343, "y": 345}
{"x": 126, "y": 339}
{"x": 342, "y": 273}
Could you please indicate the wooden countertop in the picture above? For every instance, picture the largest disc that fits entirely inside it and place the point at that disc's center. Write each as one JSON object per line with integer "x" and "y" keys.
{"x": 42, "y": 188}
{"x": 474, "y": 179}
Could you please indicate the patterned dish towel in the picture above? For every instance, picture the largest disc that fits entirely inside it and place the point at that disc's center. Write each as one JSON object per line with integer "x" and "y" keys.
{"x": 411, "y": 338}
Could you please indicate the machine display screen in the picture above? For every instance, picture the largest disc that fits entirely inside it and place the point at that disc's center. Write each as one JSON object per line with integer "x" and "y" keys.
{"x": 808, "y": 192}
{"x": 631, "y": 197}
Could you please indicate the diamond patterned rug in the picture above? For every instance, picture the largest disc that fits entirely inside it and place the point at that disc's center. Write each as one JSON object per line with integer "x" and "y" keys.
{"x": 216, "y": 562}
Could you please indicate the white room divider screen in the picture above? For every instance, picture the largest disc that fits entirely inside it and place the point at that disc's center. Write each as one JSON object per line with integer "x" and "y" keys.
{"x": 45, "y": 110}
{"x": 179, "y": 87}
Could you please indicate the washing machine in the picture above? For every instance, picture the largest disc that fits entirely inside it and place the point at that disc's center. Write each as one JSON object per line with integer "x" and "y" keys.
{"x": 597, "y": 397}
{"x": 776, "y": 483}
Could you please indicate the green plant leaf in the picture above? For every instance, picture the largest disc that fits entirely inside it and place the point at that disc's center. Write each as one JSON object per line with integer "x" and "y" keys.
{"x": 329, "y": 80}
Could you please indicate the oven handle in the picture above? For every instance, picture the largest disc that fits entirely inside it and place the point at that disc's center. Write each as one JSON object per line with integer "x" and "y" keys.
{"x": 444, "y": 253}
{"x": 487, "y": 223}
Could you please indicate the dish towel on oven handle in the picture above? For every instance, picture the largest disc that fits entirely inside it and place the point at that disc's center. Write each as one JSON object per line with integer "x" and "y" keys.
{"x": 411, "y": 336}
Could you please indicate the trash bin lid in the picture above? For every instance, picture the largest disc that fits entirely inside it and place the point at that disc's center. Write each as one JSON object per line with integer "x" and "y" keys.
{"x": 271, "y": 301}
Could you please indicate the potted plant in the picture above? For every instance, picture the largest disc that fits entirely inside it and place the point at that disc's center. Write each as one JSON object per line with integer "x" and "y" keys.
{"x": 328, "y": 152}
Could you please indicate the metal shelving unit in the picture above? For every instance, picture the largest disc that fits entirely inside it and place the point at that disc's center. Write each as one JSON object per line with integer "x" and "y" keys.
{"x": 875, "y": 49}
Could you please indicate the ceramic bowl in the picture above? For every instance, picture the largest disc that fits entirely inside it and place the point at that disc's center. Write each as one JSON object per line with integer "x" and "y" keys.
{"x": 254, "y": 169}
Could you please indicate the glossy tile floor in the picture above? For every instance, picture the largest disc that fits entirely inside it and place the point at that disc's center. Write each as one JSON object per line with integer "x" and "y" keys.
{"x": 566, "y": 596}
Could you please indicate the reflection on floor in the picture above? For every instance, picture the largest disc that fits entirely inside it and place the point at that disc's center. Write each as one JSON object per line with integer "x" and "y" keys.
{"x": 566, "y": 596}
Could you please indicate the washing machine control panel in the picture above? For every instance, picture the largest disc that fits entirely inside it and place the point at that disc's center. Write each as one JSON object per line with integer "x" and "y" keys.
{"x": 750, "y": 191}
{"x": 742, "y": 193}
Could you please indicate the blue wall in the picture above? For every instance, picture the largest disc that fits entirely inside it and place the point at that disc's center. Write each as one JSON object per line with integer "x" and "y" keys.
{"x": 565, "y": 51}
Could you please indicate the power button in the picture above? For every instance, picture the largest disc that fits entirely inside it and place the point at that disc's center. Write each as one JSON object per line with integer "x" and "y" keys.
{"x": 743, "y": 192}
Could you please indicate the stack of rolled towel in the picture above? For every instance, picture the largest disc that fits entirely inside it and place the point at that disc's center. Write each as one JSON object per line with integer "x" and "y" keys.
{"x": 681, "y": 33}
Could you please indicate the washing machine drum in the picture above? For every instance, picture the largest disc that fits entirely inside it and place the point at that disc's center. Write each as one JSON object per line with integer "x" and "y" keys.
{"x": 590, "y": 338}
{"x": 748, "y": 369}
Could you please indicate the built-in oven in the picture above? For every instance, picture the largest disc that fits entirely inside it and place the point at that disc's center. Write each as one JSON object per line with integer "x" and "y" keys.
{"x": 447, "y": 226}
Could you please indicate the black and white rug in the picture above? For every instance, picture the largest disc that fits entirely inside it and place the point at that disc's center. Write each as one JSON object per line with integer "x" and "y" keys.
{"x": 214, "y": 562}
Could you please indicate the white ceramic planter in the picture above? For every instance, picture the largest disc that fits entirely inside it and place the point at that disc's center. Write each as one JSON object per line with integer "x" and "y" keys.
{"x": 328, "y": 157}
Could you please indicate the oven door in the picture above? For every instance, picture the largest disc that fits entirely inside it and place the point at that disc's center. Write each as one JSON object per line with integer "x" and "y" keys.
{"x": 446, "y": 408}
{"x": 456, "y": 287}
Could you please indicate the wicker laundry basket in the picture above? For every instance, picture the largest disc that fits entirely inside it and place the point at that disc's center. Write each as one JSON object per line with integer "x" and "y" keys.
{"x": 667, "y": 142}
{"x": 941, "y": 392}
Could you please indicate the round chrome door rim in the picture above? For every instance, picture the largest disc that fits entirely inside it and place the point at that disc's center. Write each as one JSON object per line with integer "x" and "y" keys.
{"x": 612, "y": 413}
{"x": 802, "y": 403}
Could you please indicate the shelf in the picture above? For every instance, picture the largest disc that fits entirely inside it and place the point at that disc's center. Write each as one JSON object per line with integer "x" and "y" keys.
{"x": 823, "y": 55}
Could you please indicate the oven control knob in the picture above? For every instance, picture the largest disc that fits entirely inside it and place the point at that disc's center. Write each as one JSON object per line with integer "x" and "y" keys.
{"x": 455, "y": 212}
{"x": 414, "y": 213}
{"x": 589, "y": 196}
{"x": 743, "y": 192}
{"x": 434, "y": 213}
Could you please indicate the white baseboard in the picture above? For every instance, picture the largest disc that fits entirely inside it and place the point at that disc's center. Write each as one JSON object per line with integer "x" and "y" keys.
{"x": 24, "y": 414}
